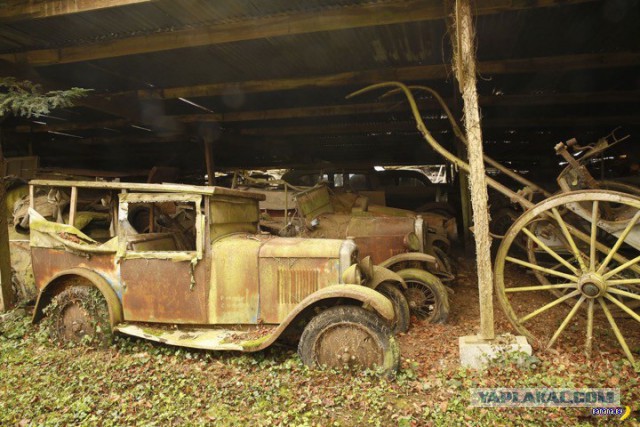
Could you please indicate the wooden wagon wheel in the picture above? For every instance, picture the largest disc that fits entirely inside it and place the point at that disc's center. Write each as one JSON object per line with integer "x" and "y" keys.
{"x": 592, "y": 273}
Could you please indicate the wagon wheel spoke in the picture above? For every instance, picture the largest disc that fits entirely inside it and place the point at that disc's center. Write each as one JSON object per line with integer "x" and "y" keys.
{"x": 566, "y": 321}
{"x": 569, "y": 238}
{"x": 594, "y": 231}
{"x": 548, "y": 306}
{"x": 565, "y": 276}
{"x": 616, "y": 282}
{"x": 589, "y": 341}
{"x": 623, "y": 307}
{"x": 624, "y": 293}
{"x": 600, "y": 247}
{"x": 616, "y": 330}
{"x": 619, "y": 242}
{"x": 622, "y": 267}
{"x": 541, "y": 287}
{"x": 550, "y": 251}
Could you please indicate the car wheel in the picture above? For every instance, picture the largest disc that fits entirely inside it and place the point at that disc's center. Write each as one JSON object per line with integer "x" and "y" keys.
{"x": 400, "y": 307}
{"x": 428, "y": 298}
{"x": 79, "y": 315}
{"x": 351, "y": 337}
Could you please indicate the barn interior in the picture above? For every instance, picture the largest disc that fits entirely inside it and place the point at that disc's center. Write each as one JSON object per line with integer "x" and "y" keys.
{"x": 191, "y": 91}
{"x": 265, "y": 83}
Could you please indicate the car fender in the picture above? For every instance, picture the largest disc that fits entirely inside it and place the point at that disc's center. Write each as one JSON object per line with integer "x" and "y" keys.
{"x": 382, "y": 274}
{"x": 113, "y": 302}
{"x": 409, "y": 256}
{"x": 367, "y": 296}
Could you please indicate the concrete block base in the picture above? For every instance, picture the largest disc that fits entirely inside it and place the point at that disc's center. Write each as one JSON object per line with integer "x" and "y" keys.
{"x": 476, "y": 352}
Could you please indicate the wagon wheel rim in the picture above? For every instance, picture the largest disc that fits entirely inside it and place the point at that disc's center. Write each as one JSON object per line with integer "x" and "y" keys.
{"x": 422, "y": 300}
{"x": 348, "y": 345}
{"x": 588, "y": 275}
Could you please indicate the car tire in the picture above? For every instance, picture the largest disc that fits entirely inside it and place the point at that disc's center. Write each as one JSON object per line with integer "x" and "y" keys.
{"x": 79, "y": 315}
{"x": 352, "y": 337}
{"x": 400, "y": 306}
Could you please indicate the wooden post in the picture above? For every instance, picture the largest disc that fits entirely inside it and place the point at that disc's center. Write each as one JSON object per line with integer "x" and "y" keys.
{"x": 465, "y": 69}
{"x": 7, "y": 296}
{"x": 73, "y": 206}
{"x": 465, "y": 200}
{"x": 208, "y": 157}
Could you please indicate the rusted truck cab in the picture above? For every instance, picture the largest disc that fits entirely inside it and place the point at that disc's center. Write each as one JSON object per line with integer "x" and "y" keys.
{"x": 186, "y": 265}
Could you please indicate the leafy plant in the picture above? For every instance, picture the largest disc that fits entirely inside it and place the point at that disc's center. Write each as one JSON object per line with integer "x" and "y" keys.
{"x": 27, "y": 99}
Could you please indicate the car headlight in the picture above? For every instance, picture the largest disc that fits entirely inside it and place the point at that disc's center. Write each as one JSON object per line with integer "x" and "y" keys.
{"x": 352, "y": 275}
{"x": 412, "y": 242}
{"x": 348, "y": 255}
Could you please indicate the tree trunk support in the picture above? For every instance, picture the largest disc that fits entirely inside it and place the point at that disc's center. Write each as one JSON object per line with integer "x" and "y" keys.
{"x": 464, "y": 64}
{"x": 7, "y": 297}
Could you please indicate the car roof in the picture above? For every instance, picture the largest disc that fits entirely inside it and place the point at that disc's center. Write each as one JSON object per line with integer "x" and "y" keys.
{"x": 150, "y": 188}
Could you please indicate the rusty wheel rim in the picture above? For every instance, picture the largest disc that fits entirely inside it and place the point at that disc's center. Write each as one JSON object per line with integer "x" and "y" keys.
{"x": 422, "y": 301}
{"x": 74, "y": 323}
{"x": 348, "y": 345}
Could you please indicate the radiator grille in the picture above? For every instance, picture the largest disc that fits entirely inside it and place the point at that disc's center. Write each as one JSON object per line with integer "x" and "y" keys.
{"x": 295, "y": 284}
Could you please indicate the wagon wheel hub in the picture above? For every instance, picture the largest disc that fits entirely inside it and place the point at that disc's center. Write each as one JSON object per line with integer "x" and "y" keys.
{"x": 592, "y": 285}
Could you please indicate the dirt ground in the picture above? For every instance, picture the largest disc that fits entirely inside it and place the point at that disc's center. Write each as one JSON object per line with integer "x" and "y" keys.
{"x": 436, "y": 346}
{"x": 135, "y": 382}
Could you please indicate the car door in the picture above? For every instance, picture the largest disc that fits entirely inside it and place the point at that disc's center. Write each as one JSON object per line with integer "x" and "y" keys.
{"x": 160, "y": 256}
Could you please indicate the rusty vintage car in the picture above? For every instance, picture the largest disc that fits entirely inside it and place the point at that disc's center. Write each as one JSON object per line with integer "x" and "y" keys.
{"x": 413, "y": 246}
{"x": 187, "y": 266}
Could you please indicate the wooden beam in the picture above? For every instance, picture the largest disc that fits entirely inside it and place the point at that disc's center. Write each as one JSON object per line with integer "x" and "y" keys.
{"x": 15, "y": 10}
{"x": 604, "y": 97}
{"x": 73, "y": 206}
{"x": 295, "y": 113}
{"x": 362, "y": 109}
{"x": 388, "y": 107}
{"x": 336, "y": 129}
{"x": 548, "y": 64}
{"x": 428, "y": 72}
{"x": 59, "y": 127}
{"x": 383, "y": 127}
{"x": 161, "y": 124}
{"x": 125, "y": 105}
{"x": 330, "y": 19}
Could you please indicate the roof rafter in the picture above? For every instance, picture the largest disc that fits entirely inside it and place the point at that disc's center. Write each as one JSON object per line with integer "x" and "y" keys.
{"x": 413, "y": 73}
{"x": 18, "y": 10}
{"x": 354, "y": 109}
{"x": 439, "y": 124}
{"x": 358, "y": 16}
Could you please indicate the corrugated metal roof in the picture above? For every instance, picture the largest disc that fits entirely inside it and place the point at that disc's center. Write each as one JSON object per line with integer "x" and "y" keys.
{"x": 591, "y": 27}
{"x": 157, "y": 16}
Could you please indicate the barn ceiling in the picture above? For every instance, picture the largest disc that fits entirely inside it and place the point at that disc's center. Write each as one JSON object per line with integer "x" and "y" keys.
{"x": 266, "y": 81}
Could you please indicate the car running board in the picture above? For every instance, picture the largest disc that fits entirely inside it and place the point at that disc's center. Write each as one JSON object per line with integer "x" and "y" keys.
{"x": 206, "y": 339}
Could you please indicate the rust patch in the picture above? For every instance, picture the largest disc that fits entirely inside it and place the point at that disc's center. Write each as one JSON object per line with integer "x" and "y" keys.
{"x": 158, "y": 290}
{"x": 48, "y": 262}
